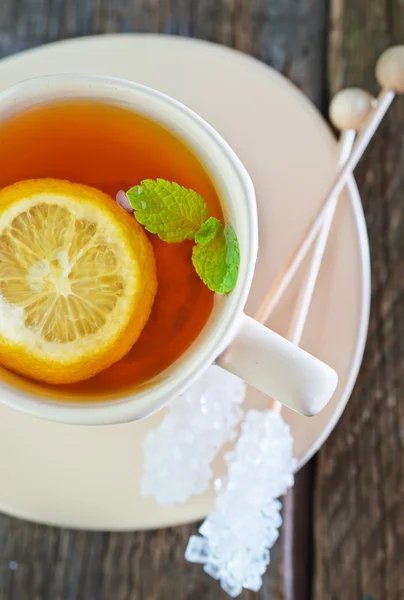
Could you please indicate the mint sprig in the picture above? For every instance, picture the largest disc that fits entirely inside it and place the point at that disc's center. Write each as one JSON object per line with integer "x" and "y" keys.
{"x": 176, "y": 214}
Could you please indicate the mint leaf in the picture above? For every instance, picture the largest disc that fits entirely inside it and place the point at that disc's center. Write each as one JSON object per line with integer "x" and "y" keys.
{"x": 208, "y": 231}
{"x": 217, "y": 261}
{"x": 168, "y": 209}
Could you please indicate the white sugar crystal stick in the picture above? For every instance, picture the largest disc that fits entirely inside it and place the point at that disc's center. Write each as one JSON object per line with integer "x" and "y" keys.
{"x": 390, "y": 74}
{"x": 235, "y": 541}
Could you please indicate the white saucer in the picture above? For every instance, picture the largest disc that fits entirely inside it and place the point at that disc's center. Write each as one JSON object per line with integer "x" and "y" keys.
{"x": 88, "y": 477}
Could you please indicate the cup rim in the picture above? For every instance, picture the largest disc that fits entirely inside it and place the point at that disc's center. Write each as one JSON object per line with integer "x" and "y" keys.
{"x": 149, "y": 400}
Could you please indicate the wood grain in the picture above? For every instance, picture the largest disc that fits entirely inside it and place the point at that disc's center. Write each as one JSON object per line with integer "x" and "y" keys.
{"x": 359, "y": 498}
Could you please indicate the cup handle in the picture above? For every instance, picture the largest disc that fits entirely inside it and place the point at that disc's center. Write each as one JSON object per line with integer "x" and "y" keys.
{"x": 278, "y": 368}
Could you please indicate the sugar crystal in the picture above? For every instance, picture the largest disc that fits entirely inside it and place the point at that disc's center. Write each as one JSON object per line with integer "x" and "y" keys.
{"x": 179, "y": 452}
{"x": 245, "y": 524}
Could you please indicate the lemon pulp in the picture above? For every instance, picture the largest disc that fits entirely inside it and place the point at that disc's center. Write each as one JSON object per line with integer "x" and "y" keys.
{"x": 77, "y": 280}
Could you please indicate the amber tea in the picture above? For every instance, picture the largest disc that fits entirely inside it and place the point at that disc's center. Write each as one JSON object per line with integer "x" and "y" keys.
{"x": 111, "y": 148}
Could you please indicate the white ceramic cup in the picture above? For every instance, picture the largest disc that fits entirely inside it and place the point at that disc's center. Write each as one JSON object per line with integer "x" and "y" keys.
{"x": 237, "y": 342}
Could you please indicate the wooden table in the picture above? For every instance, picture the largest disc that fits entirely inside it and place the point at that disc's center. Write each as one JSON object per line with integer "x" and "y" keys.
{"x": 343, "y": 537}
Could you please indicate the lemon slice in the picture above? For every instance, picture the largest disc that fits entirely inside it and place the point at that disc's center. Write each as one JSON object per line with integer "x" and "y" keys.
{"x": 77, "y": 280}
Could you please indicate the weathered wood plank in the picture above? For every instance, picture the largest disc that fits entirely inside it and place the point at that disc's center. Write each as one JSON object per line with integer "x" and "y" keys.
{"x": 359, "y": 515}
{"x": 44, "y": 563}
